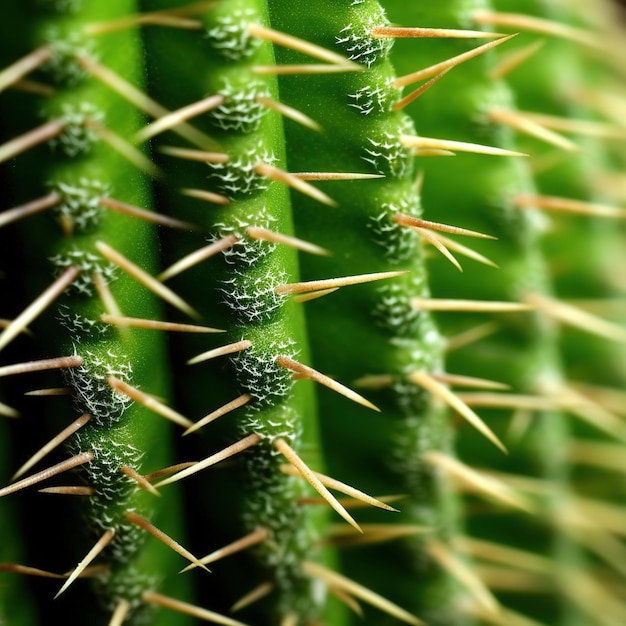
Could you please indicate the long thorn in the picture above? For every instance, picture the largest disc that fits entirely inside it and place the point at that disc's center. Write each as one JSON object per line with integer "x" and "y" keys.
{"x": 290, "y": 113}
{"x": 470, "y": 306}
{"x": 348, "y": 503}
{"x": 448, "y": 64}
{"x": 609, "y": 456}
{"x": 107, "y": 299}
{"x": 226, "y": 453}
{"x": 573, "y": 316}
{"x": 318, "y": 377}
{"x": 32, "y": 138}
{"x": 206, "y": 252}
{"x": 120, "y": 613}
{"x": 469, "y": 381}
{"x": 420, "y": 91}
{"x": 259, "y": 592}
{"x": 50, "y": 391}
{"x": 39, "y": 305}
{"x": 442, "y": 392}
{"x": 150, "y": 402}
{"x": 300, "y": 45}
{"x": 125, "y": 149}
{"x": 69, "y": 490}
{"x": 435, "y": 241}
{"x": 30, "y": 208}
{"x": 463, "y": 573}
{"x": 238, "y": 402}
{"x": 274, "y": 173}
{"x": 52, "y": 444}
{"x": 331, "y": 283}
{"x": 133, "y": 95}
{"x": 507, "y": 555}
{"x": 189, "y": 609}
{"x": 145, "y": 279}
{"x": 342, "y": 487}
{"x": 314, "y": 295}
{"x": 464, "y": 250}
{"x": 304, "y": 69}
{"x": 16, "y": 568}
{"x": 149, "y": 527}
{"x": 293, "y": 242}
{"x": 290, "y": 454}
{"x": 207, "y": 196}
{"x": 39, "y": 366}
{"x": 230, "y": 348}
{"x": 580, "y": 127}
{"x": 513, "y": 60}
{"x": 23, "y": 66}
{"x": 7, "y": 411}
{"x": 174, "y": 118}
{"x": 529, "y": 23}
{"x": 334, "y": 176}
{"x": 148, "y": 17}
{"x": 143, "y": 214}
{"x": 373, "y": 534}
{"x": 333, "y": 579}
{"x": 63, "y": 466}
{"x": 135, "y": 322}
{"x": 428, "y": 143}
{"x": 194, "y": 155}
{"x": 522, "y": 123}
{"x": 480, "y": 482}
{"x": 401, "y": 32}
{"x": 415, "y": 222}
{"x": 251, "y": 539}
{"x": 141, "y": 481}
{"x": 34, "y": 87}
{"x": 167, "y": 471}
{"x": 567, "y": 205}
{"x": 99, "y": 546}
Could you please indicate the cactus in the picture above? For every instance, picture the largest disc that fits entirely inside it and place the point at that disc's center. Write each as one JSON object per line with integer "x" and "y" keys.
{"x": 216, "y": 244}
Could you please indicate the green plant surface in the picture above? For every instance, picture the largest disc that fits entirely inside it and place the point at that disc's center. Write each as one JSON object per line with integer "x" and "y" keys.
{"x": 459, "y": 108}
{"x": 238, "y": 290}
{"x": 81, "y": 170}
{"x": 242, "y": 389}
{"x": 372, "y": 330}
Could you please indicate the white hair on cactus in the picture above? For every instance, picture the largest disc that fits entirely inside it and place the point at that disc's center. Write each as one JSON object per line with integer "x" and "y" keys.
{"x": 241, "y": 111}
{"x": 356, "y": 40}
{"x": 62, "y": 68}
{"x": 89, "y": 264}
{"x": 238, "y": 177}
{"x": 259, "y": 375}
{"x": 91, "y": 391}
{"x": 230, "y": 35}
{"x": 80, "y": 201}
{"x": 398, "y": 242}
{"x": 393, "y": 311}
{"x": 77, "y": 138}
{"x": 246, "y": 251}
{"x": 386, "y": 152}
{"x": 252, "y": 296}
{"x": 374, "y": 98}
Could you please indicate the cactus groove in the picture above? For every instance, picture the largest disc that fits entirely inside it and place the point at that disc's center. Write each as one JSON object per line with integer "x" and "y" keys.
{"x": 250, "y": 293}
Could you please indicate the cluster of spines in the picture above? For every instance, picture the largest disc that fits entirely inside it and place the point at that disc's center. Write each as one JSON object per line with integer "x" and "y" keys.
{"x": 523, "y": 278}
{"x": 88, "y": 163}
{"x": 393, "y": 339}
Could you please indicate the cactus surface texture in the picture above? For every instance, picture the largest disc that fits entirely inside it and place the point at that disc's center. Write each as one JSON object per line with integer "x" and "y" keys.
{"x": 312, "y": 313}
